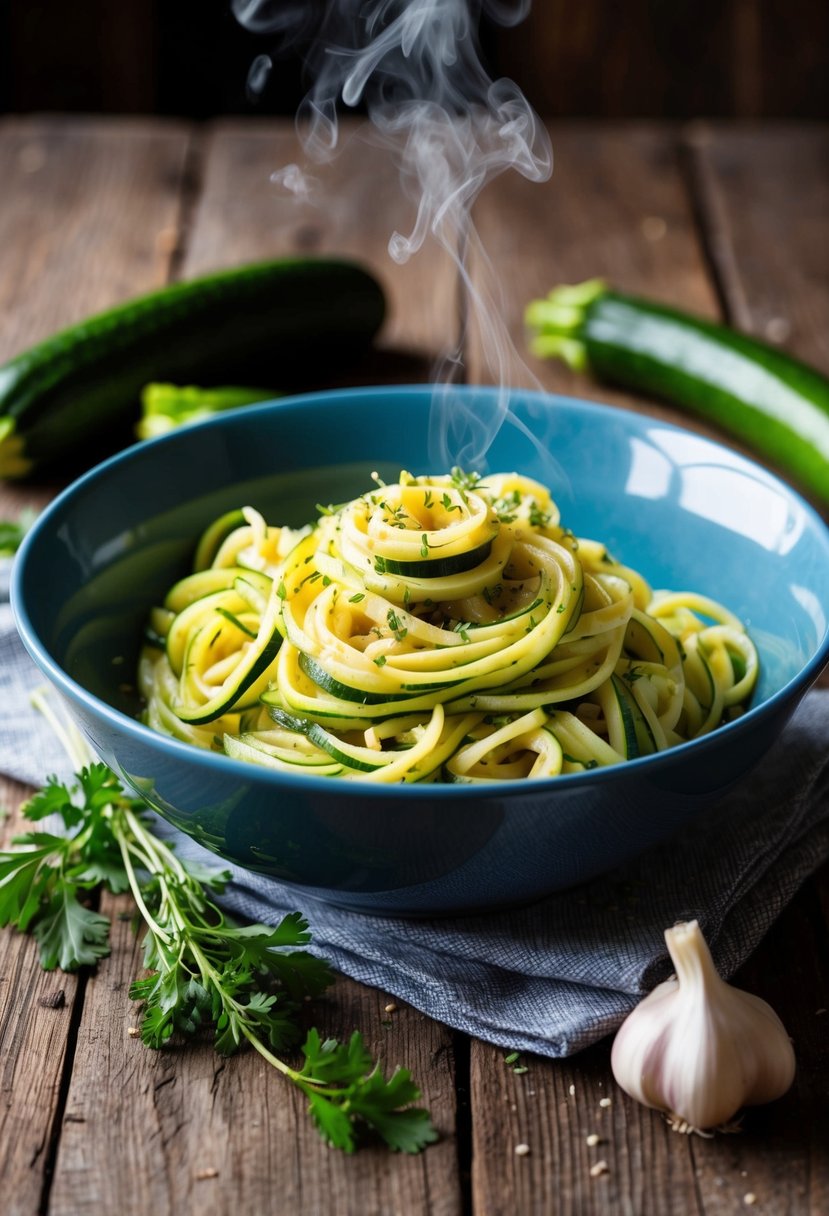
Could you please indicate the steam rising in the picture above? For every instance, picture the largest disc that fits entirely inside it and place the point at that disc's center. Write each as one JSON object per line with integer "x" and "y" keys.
{"x": 416, "y": 66}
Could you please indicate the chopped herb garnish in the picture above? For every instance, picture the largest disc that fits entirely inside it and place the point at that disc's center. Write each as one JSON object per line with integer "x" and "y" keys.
{"x": 465, "y": 481}
{"x": 356, "y": 599}
{"x": 397, "y": 629}
{"x": 448, "y": 505}
{"x": 380, "y": 661}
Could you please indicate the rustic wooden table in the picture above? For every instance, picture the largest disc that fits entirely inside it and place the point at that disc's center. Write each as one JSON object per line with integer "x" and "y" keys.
{"x": 725, "y": 221}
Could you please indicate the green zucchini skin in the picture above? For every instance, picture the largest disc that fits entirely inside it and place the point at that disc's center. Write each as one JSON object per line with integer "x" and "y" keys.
{"x": 75, "y": 395}
{"x": 778, "y": 406}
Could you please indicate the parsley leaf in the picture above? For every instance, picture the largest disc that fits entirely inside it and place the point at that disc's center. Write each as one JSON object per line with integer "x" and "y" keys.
{"x": 356, "y": 1094}
{"x": 69, "y": 934}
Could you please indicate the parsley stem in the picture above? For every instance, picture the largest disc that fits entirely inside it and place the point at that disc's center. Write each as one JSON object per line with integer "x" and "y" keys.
{"x": 68, "y": 734}
{"x": 306, "y": 1084}
{"x": 163, "y": 856}
{"x": 135, "y": 886}
{"x": 255, "y": 1042}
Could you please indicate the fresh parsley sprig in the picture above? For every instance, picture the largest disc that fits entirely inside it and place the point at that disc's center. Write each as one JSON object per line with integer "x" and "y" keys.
{"x": 246, "y": 983}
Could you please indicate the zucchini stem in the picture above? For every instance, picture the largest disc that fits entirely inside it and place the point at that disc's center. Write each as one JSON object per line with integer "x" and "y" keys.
{"x": 167, "y": 406}
{"x": 12, "y": 461}
{"x": 556, "y": 322}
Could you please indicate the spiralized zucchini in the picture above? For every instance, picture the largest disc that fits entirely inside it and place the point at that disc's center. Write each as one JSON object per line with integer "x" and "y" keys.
{"x": 445, "y": 628}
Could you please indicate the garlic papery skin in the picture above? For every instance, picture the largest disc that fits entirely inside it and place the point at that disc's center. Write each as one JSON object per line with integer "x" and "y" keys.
{"x": 699, "y": 1049}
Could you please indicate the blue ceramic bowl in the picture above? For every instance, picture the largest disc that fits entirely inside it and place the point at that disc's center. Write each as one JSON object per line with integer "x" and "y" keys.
{"x": 686, "y": 512}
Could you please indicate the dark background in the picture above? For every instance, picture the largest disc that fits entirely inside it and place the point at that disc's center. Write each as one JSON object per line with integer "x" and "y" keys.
{"x": 573, "y": 58}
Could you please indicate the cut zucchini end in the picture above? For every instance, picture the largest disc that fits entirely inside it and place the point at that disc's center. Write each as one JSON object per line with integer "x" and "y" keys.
{"x": 556, "y": 346}
{"x": 13, "y": 461}
{"x": 556, "y": 323}
{"x": 578, "y": 295}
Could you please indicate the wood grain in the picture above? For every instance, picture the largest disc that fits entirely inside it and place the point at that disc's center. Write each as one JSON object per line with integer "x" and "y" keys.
{"x": 88, "y": 214}
{"x": 782, "y": 1155}
{"x": 34, "y": 1039}
{"x": 183, "y": 1130}
{"x": 85, "y": 216}
{"x": 552, "y": 1109}
{"x": 615, "y": 208}
{"x": 768, "y": 190}
{"x": 764, "y": 199}
{"x": 354, "y": 206}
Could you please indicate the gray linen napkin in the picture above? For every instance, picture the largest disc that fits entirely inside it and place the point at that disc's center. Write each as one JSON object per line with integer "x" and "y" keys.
{"x": 554, "y": 977}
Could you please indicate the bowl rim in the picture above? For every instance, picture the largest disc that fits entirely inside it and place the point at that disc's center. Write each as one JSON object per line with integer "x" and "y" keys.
{"x": 174, "y": 749}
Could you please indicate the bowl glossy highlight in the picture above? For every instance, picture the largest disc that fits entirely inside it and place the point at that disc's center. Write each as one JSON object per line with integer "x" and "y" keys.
{"x": 685, "y": 512}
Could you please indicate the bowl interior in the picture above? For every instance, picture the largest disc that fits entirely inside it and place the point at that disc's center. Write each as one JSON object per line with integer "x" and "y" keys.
{"x": 685, "y": 512}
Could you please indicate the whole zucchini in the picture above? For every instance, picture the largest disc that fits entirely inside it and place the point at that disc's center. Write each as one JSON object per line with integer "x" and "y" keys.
{"x": 777, "y": 405}
{"x": 74, "y": 397}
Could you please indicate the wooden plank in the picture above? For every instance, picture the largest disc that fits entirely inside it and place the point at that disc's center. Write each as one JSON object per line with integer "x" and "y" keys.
{"x": 767, "y": 189}
{"x": 356, "y": 205}
{"x": 779, "y": 1157}
{"x": 86, "y": 214}
{"x": 551, "y": 1110}
{"x": 615, "y": 208}
{"x": 157, "y": 1120}
{"x": 764, "y": 198}
{"x": 36, "y": 1011}
{"x": 88, "y": 217}
{"x": 183, "y": 1130}
{"x": 82, "y": 207}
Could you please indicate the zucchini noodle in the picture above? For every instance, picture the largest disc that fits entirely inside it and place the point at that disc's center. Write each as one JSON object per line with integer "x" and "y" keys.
{"x": 445, "y": 628}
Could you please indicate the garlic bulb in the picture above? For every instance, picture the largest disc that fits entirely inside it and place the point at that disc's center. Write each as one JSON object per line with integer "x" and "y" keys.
{"x": 698, "y": 1048}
